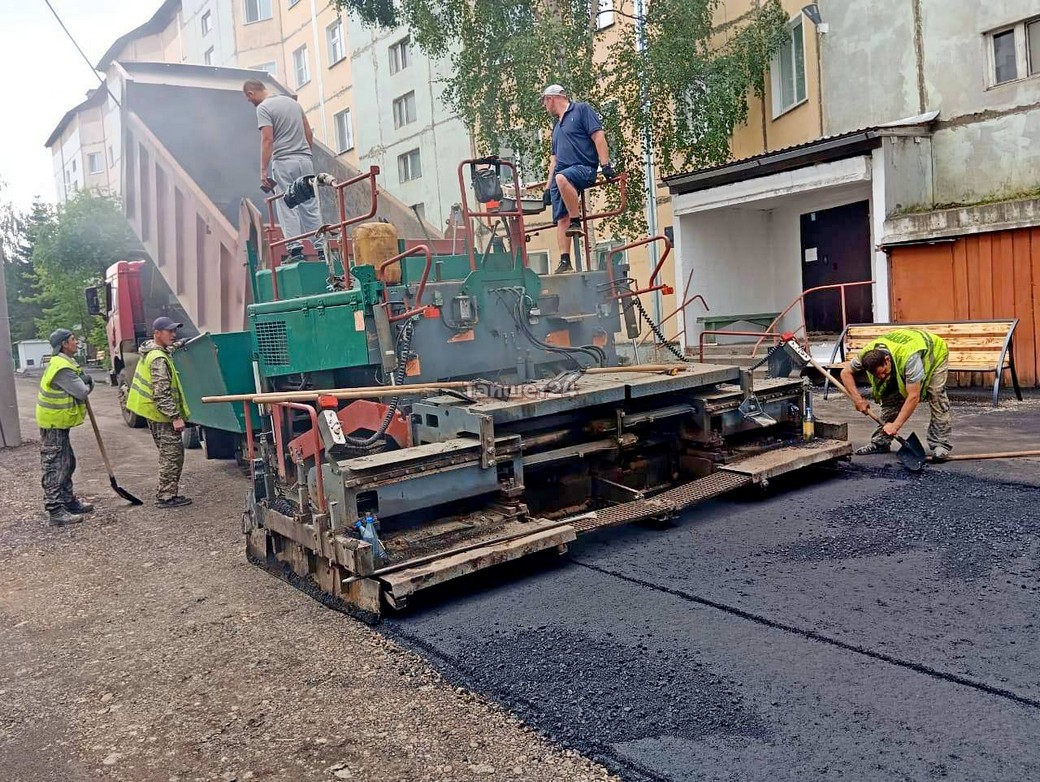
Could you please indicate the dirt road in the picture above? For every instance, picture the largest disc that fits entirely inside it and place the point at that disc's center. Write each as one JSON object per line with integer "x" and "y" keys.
{"x": 142, "y": 646}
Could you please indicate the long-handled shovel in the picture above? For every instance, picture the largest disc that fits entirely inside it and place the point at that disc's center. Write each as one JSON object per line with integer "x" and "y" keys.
{"x": 108, "y": 465}
{"x": 911, "y": 453}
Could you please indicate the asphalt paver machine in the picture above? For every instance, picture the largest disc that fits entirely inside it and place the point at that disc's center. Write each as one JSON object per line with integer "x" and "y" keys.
{"x": 428, "y": 414}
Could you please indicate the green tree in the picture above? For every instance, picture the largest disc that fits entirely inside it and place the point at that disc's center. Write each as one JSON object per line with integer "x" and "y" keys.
{"x": 15, "y": 229}
{"x": 681, "y": 90}
{"x": 71, "y": 248}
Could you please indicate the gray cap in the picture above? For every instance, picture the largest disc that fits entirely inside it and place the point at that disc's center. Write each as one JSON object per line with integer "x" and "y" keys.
{"x": 163, "y": 323}
{"x": 552, "y": 90}
{"x": 58, "y": 338}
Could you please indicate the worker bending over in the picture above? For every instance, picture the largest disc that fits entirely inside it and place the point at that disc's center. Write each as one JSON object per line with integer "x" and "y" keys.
{"x": 904, "y": 366}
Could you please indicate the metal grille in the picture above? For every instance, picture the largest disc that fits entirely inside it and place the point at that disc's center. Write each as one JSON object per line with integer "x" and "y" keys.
{"x": 273, "y": 343}
{"x": 665, "y": 503}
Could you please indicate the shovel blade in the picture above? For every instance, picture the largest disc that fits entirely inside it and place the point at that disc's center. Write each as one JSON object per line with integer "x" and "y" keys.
{"x": 124, "y": 493}
{"x": 911, "y": 453}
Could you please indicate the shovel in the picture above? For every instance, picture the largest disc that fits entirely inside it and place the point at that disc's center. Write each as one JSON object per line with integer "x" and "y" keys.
{"x": 108, "y": 465}
{"x": 911, "y": 453}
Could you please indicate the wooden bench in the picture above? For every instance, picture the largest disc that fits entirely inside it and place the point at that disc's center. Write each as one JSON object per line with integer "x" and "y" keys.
{"x": 719, "y": 322}
{"x": 975, "y": 346}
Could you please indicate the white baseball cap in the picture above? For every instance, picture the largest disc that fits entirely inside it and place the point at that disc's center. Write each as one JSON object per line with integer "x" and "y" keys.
{"x": 554, "y": 89}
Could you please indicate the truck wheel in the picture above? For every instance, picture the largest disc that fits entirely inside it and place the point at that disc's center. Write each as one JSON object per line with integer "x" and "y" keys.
{"x": 190, "y": 438}
{"x": 218, "y": 444}
{"x": 132, "y": 420}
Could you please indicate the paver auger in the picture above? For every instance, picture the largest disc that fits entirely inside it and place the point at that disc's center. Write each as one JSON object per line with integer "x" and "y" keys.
{"x": 419, "y": 416}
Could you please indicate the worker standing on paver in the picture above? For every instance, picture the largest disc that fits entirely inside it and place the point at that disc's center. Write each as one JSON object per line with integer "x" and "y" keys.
{"x": 904, "y": 366}
{"x": 579, "y": 148}
{"x": 60, "y": 406}
{"x": 156, "y": 395}
{"x": 286, "y": 142}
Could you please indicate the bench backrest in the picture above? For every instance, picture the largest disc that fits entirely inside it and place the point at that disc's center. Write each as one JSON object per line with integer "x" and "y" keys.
{"x": 974, "y": 345}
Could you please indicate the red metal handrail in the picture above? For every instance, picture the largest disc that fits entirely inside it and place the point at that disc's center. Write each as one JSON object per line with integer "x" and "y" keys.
{"x": 517, "y": 214}
{"x": 686, "y": 302}
{"x": 341, "y": 226}
{"x": 418, "y": 308}
{"x": 319, "y": 480}
{"x": 800, "y": 299}
{"x": 653, "y": 275}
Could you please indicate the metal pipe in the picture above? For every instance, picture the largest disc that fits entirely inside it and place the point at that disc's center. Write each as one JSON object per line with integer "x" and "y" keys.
{"x": 319, "y": 479}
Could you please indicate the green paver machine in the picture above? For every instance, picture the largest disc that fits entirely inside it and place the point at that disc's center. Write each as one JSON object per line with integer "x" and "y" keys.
{"x": 421, "y": 415}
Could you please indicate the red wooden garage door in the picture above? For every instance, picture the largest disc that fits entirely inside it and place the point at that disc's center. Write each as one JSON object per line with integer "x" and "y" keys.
{"x": 993, "y": 275}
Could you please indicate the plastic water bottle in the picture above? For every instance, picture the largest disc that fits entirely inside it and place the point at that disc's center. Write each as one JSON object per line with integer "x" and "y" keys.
{"x": 808, "y": 421}
{"x": 366, "y": 528}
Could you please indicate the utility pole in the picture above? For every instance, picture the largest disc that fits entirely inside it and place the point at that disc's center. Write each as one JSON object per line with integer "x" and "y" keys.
{"x": 10, "y": 432}
{"x": 649, "y": 164}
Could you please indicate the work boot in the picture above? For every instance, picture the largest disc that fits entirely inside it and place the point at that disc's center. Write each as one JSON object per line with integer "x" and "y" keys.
{"x": 871, "y": 449}
{"x": 574, "y": 229}
{"x": 78, "y": 506}
{"x": 941, "y": 453}
{"x": 173, "y": 502}
{"x": 564, "y": 268}
{"x": 60, "y": 517}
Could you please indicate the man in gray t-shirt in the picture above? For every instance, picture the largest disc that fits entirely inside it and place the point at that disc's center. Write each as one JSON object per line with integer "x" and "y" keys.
{"x": 285, "y": 156}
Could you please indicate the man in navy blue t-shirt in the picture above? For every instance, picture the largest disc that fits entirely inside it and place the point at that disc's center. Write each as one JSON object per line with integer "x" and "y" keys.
{"x": 579, "y": 147}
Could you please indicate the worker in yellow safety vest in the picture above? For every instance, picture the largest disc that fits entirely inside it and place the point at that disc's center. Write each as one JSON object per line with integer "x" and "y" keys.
{"x": 61, "y": 406}
{"x": 156, "y": 395}
{"x": 904, "y": 366}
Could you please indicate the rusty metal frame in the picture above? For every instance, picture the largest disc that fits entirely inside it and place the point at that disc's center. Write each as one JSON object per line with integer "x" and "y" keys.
{"x": 418, "y": 308}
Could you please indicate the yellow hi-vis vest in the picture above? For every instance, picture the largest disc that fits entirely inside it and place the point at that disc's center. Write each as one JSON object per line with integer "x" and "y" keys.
{"x": 901, "y": 344}
{"x": 140, "y": 399}
{"x": 56, "y": 409}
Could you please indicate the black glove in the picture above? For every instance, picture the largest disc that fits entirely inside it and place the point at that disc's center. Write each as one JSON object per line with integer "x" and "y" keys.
{"x": 547, "y": 197}
{"x": 88, "y": 380}
{"x": 608, "y": 170}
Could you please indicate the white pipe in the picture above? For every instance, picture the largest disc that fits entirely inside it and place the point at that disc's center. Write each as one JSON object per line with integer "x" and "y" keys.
{"x": 318, "y": 65}
{"x": 649, "y": 165}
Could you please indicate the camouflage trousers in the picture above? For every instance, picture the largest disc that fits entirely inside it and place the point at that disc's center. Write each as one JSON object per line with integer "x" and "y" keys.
{"x": 940, "y": 425}
{"x": 171, "y": 458}
{"x": 58, "y": 462}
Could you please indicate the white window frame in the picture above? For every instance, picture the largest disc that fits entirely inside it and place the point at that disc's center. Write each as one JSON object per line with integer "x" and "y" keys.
{"x": 258, "y": 7}
{"x": 779, "y": 109}
{"x": 400, "y": 110}
{"x": 538, "y": 261}
{"x": 605, "y": 16}
{"x": 270, "y": 68}
{"x": 300, "y": 63}
{"x": 206, "y": 22}
{"x": 207, "y": 56}
{"x": 405, "y": 166}
{"x": 400, "y": 54}
{"x": 100, "y": 158}
{"x": 293, "y": 2}
{"x": 334, "y": 38}
{"x": 344, "y": 131}
{"x": 1025, "y": 69}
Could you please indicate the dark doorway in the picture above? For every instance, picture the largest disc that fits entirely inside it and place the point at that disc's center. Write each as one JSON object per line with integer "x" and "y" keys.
{"x": 836, "y": 248}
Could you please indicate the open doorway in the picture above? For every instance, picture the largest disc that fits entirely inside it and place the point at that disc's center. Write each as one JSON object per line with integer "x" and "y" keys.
{"x": 836, "y": 248}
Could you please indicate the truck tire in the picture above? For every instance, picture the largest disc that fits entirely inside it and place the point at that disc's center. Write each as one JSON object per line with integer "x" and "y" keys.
{"x": 190, "y": 438}
{"x": 218, "y": 444}
{"x": 132, "y": 420}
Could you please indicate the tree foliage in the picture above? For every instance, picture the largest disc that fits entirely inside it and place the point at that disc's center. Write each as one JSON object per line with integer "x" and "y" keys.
{"x": 72, "y": 246}
{"x": 20, "y": 277}
{"x": 682, "y": 92}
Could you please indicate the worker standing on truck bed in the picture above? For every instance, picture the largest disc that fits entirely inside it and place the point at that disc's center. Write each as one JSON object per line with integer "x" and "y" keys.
{"x": 904, "y": 366}
{"x": 579, "y": 147}
{"x": 286, "y": 141}
{"x": 156, "y": 394}
{"x": 60, "y": 406}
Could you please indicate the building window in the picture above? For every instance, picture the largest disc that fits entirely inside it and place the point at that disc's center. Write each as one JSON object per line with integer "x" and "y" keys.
{"x": 401, "y": 55}
{"x": 206, "y": 22}
{"x": 344, "y": 131}
{"x": 787, "y": 71}
{"x": 1015, "y": 52}
{"x": 257, "y": 10}
{"x": 73, "y": 166}
{"x": 95, "y": 164}
{"x": 293, "y": 2}
{"x": 419, "y": 210}
{"x": 267, "y": 67}
{"x": 111, "y": 156}
{"x": 299, "y": 61}
{"x": 409, "y": 166}
{"x": 538, "y": 262}
{"x": 208, "y": 56}
{"x": 334, "y": 35}
{"x": 404, "y": 110}
{"x": 605, "y": 13}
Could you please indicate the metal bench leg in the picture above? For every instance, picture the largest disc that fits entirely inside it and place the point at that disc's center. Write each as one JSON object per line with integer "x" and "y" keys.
{"x": 1014, "y": 379}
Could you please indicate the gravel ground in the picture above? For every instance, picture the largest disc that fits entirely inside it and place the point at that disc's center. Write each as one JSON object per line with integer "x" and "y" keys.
{"x": 142, "y": 646}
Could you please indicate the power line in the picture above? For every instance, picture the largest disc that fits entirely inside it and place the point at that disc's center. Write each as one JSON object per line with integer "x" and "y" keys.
{"x": 100, "y": 78}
